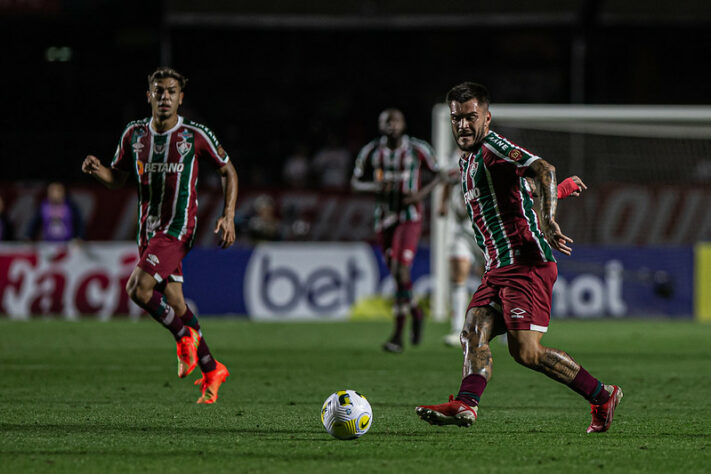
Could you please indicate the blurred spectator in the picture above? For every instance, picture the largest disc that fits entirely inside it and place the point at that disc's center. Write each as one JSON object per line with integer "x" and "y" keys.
{"x": 7, "y": 231}
{"x": 296, "y": 168}
{"x": 332, "y": 164}
{"x": 264, "y": 225}
{"x": 57, "y": 218}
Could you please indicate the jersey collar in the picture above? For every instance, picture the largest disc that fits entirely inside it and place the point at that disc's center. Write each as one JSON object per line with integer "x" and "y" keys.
{"x": 178, "y": 124}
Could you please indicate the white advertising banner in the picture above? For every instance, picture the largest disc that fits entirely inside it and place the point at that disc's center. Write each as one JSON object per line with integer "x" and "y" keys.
{"x": 308, "y": 280}
{"x": 66, "y": 279}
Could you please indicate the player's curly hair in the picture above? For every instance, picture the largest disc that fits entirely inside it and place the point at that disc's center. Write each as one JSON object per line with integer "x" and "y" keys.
{"x": 164, "y": 72}
{"x": 467, "y": 91}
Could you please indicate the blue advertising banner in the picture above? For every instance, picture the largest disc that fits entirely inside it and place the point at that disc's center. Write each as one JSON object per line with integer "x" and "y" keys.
{"x": 625, "y": 281}
{"x": 281, "y": 281}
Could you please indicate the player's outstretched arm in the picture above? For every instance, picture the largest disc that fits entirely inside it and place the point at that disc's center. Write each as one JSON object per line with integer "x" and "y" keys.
{"x": 109, "y": 177}
{"x": 226, "y": 222}
{"x": 543, "y": 174}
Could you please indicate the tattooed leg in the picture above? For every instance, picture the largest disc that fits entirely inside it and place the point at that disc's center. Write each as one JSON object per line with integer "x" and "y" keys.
{"x": 481, "y": 325}
{"x": 526, "y": 349}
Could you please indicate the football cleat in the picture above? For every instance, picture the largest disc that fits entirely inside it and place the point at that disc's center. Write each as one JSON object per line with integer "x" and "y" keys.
{"x": 210, "y": 383}
{"x": 602, "y": 414}
{"x": 393, "y": 345}
{"x": 454, "y": 412}
{"x": 187, "y": 352}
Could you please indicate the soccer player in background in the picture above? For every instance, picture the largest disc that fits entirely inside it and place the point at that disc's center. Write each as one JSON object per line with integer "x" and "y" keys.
{"x": 516, "y": 290}
{"x": 162, "y": 153}
{"x": 463, "y": 255}
{"x": 391, "y": 168}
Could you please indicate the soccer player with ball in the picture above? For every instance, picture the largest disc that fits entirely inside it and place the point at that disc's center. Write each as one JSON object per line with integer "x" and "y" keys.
{"x": 515, "y": 294}
{"x": 161, "y": 154}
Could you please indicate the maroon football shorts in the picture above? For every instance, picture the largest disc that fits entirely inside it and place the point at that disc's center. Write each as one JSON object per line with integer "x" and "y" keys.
{"x": 399, "y": 242}
{"x": 162, "y": 258}
{"x": 521, "y": 293}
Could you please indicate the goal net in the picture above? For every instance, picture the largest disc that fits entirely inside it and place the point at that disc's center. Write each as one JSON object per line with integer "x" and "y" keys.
{"x": 648, "y": 170}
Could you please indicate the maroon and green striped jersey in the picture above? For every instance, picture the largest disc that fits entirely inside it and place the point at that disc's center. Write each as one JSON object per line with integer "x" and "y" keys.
{"x": 399, "y": 172}
{"x": 500, "y": 204}
{"x": 165, "y": 166}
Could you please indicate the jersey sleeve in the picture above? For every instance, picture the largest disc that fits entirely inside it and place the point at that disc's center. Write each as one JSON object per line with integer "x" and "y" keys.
{"x": 208, "y": 147}
{"x": 363, "y": 170}
{"x": 426, "y": 154}
{"x": 122, "y": 155}
{"x": 507, "y": 152}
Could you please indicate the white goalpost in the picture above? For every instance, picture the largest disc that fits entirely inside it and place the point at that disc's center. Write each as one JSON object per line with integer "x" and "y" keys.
{"x": 639, "y": 144}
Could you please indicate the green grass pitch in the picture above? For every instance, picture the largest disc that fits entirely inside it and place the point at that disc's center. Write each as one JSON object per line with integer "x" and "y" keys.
{"x": 103, "y": 397}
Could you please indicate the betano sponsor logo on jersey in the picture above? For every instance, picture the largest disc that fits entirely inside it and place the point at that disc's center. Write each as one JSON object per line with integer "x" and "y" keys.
{"x": 159, "y": 167}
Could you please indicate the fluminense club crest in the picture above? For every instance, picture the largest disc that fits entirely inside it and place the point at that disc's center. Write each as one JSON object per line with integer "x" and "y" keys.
{"x": 184, "y": 147}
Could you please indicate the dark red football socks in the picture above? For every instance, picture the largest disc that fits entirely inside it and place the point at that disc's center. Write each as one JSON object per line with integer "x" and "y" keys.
{"x": 589, "y": 387}
{"x": 205, "y": 359}
{"x": 471, "y": 389}
{"x": 164, "y": 314}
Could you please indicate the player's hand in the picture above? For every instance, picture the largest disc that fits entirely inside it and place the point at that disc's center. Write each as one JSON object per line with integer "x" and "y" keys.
{"x": 91, "y": 165}
{"x": 226, "y": 225}
{"x": 556, "y": 238}
{"x": 572, "y": 186}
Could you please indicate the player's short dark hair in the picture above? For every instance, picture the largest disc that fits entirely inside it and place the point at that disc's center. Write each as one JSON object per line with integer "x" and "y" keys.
{"x": 467, "y": 91}
{"x": 165, "y": 72}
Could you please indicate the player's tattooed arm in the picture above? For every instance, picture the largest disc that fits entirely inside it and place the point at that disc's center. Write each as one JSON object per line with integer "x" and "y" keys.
{"x": 558, "y": 365}
{"x": 543, "y": 174}
{"x": 112, "y": 178}
{"x": 226, "y": 222}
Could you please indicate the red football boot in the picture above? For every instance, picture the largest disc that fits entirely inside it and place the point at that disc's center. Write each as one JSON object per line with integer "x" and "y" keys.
{"x": 454, "y": 412}
{"x": 602, "y": 414}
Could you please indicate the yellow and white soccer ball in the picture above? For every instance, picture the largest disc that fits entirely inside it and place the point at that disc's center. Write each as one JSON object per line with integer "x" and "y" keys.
{"x": 346, "y": 414}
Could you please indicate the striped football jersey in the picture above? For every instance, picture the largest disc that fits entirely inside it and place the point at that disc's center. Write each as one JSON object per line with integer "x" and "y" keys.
{"x": 500, "y": 204}
{"x": 399, "y": 172}
{"x": 165, "y": 166}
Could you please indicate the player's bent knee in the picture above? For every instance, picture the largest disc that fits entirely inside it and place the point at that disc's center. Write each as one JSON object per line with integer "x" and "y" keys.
{"x": 527, "y": 355}
{"x": 137, "y": 293}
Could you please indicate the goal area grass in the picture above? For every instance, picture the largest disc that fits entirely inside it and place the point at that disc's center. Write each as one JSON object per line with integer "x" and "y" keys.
{"x": 104, "y": 397}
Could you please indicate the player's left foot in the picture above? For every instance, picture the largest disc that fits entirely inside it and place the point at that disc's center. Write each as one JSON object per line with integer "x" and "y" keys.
{"x": 210, "y": 383}
{"x": 393, "y": 345}
{"x": 187, "y": 352}
{"x": 453, "y": 412}
{"x": 602, "y": 414}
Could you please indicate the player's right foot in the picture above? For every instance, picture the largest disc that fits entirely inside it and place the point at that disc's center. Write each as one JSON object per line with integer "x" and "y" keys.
{"x": 393, "y": 345}
{"x": 602, "y": 414}
{"x": 187, "y": 352}
{"x": 454, "y": 412}
{"x": 210, "y": 383}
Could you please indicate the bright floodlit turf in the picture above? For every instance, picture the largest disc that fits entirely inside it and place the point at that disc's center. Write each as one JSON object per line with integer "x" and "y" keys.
{"x": 104, "y": 397}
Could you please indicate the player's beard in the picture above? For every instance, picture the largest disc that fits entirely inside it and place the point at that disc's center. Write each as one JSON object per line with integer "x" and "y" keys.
{"x": 476, "y": 139}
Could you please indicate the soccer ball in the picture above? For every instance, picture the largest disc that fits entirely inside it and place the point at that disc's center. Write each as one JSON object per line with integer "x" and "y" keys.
{"x": 346, "y": 414}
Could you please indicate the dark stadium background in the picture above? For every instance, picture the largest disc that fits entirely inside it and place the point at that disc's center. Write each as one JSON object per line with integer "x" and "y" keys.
{"x": 267, "y": 75}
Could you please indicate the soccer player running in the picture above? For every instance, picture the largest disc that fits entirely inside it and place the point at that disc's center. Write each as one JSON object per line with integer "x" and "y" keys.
{"x": 161, "y": 153}
{"x": 464, "y": 253}
{"x": 390, "y": 167}
{"x": 516, "y": 290}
